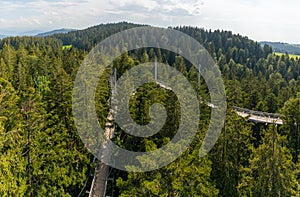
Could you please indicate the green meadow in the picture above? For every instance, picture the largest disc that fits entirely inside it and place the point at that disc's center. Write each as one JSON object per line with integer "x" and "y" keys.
{"x": 66, "y": 47}
{"x": 290, "y": 55}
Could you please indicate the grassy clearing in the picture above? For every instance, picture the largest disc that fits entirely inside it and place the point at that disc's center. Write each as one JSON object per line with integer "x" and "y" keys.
{"x": 66, "y": 47}
{"x": 290, "y": 55}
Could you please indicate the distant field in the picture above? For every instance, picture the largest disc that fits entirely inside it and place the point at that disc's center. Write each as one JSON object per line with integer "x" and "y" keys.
{"x": 66, "y": 47}
{"x": 290, "y": 55}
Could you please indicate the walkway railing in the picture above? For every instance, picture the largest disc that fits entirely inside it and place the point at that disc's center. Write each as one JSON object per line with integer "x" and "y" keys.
{"x": 258, "y": 116}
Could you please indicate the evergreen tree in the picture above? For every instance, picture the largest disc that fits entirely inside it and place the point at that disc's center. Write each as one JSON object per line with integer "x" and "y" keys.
{"x": 13, "y": 179}
{"x": 271, "y": 171}
{"x": 291, "y": 111}
{"x": 230, "y": 154}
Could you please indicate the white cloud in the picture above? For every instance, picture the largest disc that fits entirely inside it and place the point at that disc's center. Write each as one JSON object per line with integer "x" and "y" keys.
{"x": 261, "y": 20}
{"x": 166, "y": 7}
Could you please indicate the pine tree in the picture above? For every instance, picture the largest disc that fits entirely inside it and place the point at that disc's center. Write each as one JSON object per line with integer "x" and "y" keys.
{"x": 34, "y": 116}
{"x": 291, "y": 111}
{"x": 187, "y": 176}
{"x": 13, "y": 180}
{"x": 230, "y": 154}
{"x": 61, "y": 161}
{"x": 271, "y": 171}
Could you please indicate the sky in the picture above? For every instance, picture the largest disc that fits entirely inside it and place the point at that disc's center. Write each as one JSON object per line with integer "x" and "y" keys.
{"x": 261, "y": 20}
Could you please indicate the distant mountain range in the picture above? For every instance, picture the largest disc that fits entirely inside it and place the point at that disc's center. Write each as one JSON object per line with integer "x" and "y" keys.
{"x": 4, "y": 33}
{"x": 34, "y": 33}
{"x": 57, "y": 31}
{"x": 283, "y": 47}
{"x": 3, "y": 36}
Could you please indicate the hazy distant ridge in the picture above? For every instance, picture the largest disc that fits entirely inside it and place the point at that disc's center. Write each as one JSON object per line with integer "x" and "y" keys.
{"x": 283, "y": 47}
{"x": 3, "y": 36}
{"x": 57, "y": 31}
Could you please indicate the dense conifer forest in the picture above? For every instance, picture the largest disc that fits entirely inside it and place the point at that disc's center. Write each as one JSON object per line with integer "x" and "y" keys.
{"x": 41, "y": 153}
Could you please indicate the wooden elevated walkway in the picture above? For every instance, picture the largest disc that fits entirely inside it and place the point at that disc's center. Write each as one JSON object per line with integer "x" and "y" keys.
{"x": 258, "y": 116}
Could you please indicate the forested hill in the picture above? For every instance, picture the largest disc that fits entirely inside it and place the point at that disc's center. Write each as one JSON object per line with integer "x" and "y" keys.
{"x": 41, "y": 153}
{"x": 88, "y": 38}
{"x": 216, "y": 42}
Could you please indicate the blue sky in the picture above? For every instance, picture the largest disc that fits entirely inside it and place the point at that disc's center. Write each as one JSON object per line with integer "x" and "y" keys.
{"x": 273, "y": 20}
